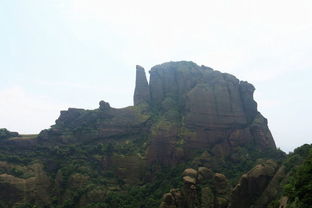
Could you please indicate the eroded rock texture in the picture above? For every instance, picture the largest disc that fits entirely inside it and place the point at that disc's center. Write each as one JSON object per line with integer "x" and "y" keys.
{"x": 205, "y": 189}
{"x": 212, "y": 110}
{"x": 208, "y": 99}
{"x": 141, "y": 92}
{"x": 202, "y": 188}
{"x": 258, "y": 187}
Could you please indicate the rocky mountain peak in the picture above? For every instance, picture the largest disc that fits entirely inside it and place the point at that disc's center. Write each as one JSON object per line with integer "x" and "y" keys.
{"x": 186, "y": 116}
{"x": 206, "y": 97}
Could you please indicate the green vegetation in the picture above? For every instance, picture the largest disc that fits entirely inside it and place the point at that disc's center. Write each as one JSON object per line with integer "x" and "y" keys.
{"x": 4, "y": 134}
{"x": 299, "y": 186}
{"x": 83, "y": 171}
{"x": 86, "y": 169}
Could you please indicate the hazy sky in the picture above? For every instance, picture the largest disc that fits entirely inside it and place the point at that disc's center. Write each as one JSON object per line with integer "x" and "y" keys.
{"x": 56, "y": 54}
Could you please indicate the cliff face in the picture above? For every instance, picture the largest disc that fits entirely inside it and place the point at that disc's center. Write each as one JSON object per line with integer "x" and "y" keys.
{"x": 141, "y": 92}
{"x": 208, "y": 99}
{"x": 185, "y": 115}
{"x": 211, "y": 111}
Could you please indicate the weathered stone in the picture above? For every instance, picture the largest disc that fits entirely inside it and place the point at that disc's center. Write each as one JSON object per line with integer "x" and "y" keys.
{"x": 168, "y": 198}
{"x": 273, "y": 189}
{"x": 261, "y": 133}
{"x": 189, "y": 180}
{"x": 215, "y": 194}
{"x": 250, "y": 106}
{"x": 104, "y": 106}
{"x": 252, "y": 184}
{"x": 204, "y": 174}
{"x": 190, "y": 172}
{"x": 141, "y": 92}
{"x": 68, "y": 118}
{"x": 172, "y": 79}
{"x": 218, "y": 108}
{"x": 240, "y": 137}
{"x": 215, "y": 103}
{"x": 207, "y": 198}
{"x": 221, "y": 184}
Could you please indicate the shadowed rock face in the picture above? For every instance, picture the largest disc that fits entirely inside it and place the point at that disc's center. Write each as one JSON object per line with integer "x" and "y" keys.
{"x": 218, "y": 110}
{"x": 141, "y": 92}
{"x": 209, "y": 99}
{"x": 253, "y": 184}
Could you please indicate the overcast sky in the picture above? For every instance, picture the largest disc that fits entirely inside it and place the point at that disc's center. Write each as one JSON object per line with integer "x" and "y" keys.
{"x": 56, "y": 54}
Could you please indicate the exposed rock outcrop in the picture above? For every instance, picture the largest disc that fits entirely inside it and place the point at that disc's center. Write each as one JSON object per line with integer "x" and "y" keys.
{"x": 141, "y": 92}
{"x": 209, "y": 99}
{"x": 253, "y": 184}
{"x": 79, "y": 125}
{"x": 202, "y": 188}
{"x": 218, "y": 112}
{"x": 104, "y": 106}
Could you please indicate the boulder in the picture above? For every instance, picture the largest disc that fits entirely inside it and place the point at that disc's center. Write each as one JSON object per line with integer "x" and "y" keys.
{"x": 190, "y": 172}
{"x": 204, "y": 175}
{"x": 104, "y": 106}
{"x": 253, "y": 184}
{"x": 189, "y": 180}
{"x": 221, "y": 184}
{"x": 212, "y": 191}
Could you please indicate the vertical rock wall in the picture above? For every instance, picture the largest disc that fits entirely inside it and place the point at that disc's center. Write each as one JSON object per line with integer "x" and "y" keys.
{"x": 141, "y": 93}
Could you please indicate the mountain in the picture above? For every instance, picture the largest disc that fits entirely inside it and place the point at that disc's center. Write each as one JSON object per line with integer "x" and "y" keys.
{"x": 185, "y": 107}
{"x": 188, "y": 119}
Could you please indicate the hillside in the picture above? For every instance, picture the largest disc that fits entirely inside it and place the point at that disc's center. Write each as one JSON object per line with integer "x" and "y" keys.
{"x": 188, "y": 119}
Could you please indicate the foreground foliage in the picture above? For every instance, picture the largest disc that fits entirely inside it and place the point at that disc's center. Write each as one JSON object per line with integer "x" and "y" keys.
{"x": 299, "y": 187}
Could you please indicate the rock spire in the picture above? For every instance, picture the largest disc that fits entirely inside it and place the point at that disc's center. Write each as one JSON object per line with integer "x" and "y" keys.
{"x": 141, "y": 92}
